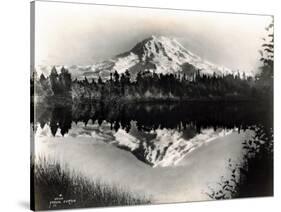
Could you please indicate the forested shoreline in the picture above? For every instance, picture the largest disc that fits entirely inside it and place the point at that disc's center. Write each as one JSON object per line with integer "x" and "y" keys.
{"x": 151, "y": 87}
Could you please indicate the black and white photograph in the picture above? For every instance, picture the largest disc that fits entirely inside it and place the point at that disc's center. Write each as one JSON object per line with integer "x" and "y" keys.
{"x": 142, "y": 105}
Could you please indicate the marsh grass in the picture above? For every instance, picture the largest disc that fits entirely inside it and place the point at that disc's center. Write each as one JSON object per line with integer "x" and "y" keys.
{"x": 56, "y": 186}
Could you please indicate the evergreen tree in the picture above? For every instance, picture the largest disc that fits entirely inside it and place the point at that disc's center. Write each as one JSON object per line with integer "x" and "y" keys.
{"x": 127, "y": 77}
{"x": 42, "y": 78}
{"x": 267, "y": 52}
{"x": 54, "y": 81}
{"x": 65, "y": 80}
{"x": 100, "y": 81}
{"x": 116, "y": 77}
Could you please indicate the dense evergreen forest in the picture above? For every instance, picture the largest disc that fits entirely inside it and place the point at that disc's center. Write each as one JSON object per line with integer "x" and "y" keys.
{"x": 152, "y": 87}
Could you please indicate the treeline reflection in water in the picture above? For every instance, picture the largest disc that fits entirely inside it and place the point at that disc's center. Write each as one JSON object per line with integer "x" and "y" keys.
{"x": 157, "y": 116}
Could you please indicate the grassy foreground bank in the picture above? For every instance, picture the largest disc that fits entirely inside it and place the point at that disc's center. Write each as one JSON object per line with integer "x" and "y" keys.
{"x": 58, "y": 187}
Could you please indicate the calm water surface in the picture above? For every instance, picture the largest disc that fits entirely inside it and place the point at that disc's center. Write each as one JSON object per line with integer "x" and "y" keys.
{"x": 171, "y": 152}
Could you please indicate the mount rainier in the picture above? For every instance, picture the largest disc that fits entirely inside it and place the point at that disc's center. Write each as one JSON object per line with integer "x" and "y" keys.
{"x": 157, "y": 54}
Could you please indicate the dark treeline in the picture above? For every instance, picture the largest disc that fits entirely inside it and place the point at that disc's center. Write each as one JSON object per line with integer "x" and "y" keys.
{"x": 53, "y": 85}
{"x": 171, "y": 116}
{"x": 149, "y": 86}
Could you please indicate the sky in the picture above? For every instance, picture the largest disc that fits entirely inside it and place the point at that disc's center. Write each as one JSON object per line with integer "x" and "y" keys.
{"x": 83, "y": 34}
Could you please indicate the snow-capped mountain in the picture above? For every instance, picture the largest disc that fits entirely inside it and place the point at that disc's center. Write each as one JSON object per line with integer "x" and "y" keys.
{"x": 157, "y": 54}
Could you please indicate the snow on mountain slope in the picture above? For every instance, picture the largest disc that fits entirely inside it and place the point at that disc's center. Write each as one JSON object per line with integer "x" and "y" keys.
{"x": 169, "y": 55}
{"x": 168, "y": 147}
{"x": 157, "y": 54}
{"x": 158, "y": 148}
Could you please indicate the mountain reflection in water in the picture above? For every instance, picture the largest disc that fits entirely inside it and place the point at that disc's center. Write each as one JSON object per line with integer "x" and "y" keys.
{"x": 156, "y": 134}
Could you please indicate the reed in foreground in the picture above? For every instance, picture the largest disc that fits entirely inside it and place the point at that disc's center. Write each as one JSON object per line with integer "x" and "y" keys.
{"x": 58, "y": 187}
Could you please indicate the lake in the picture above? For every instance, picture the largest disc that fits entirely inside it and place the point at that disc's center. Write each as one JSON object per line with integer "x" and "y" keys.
{"x": 171, "y": 152}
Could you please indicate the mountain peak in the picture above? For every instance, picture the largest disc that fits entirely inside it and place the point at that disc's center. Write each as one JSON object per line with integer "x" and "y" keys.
{"x": 156, "y": 53}
{"x": 157, "y": 40}
{"x": 167, "y": 55}
{"x": 157, "y": 46}
{"x": 160, "y": 38}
